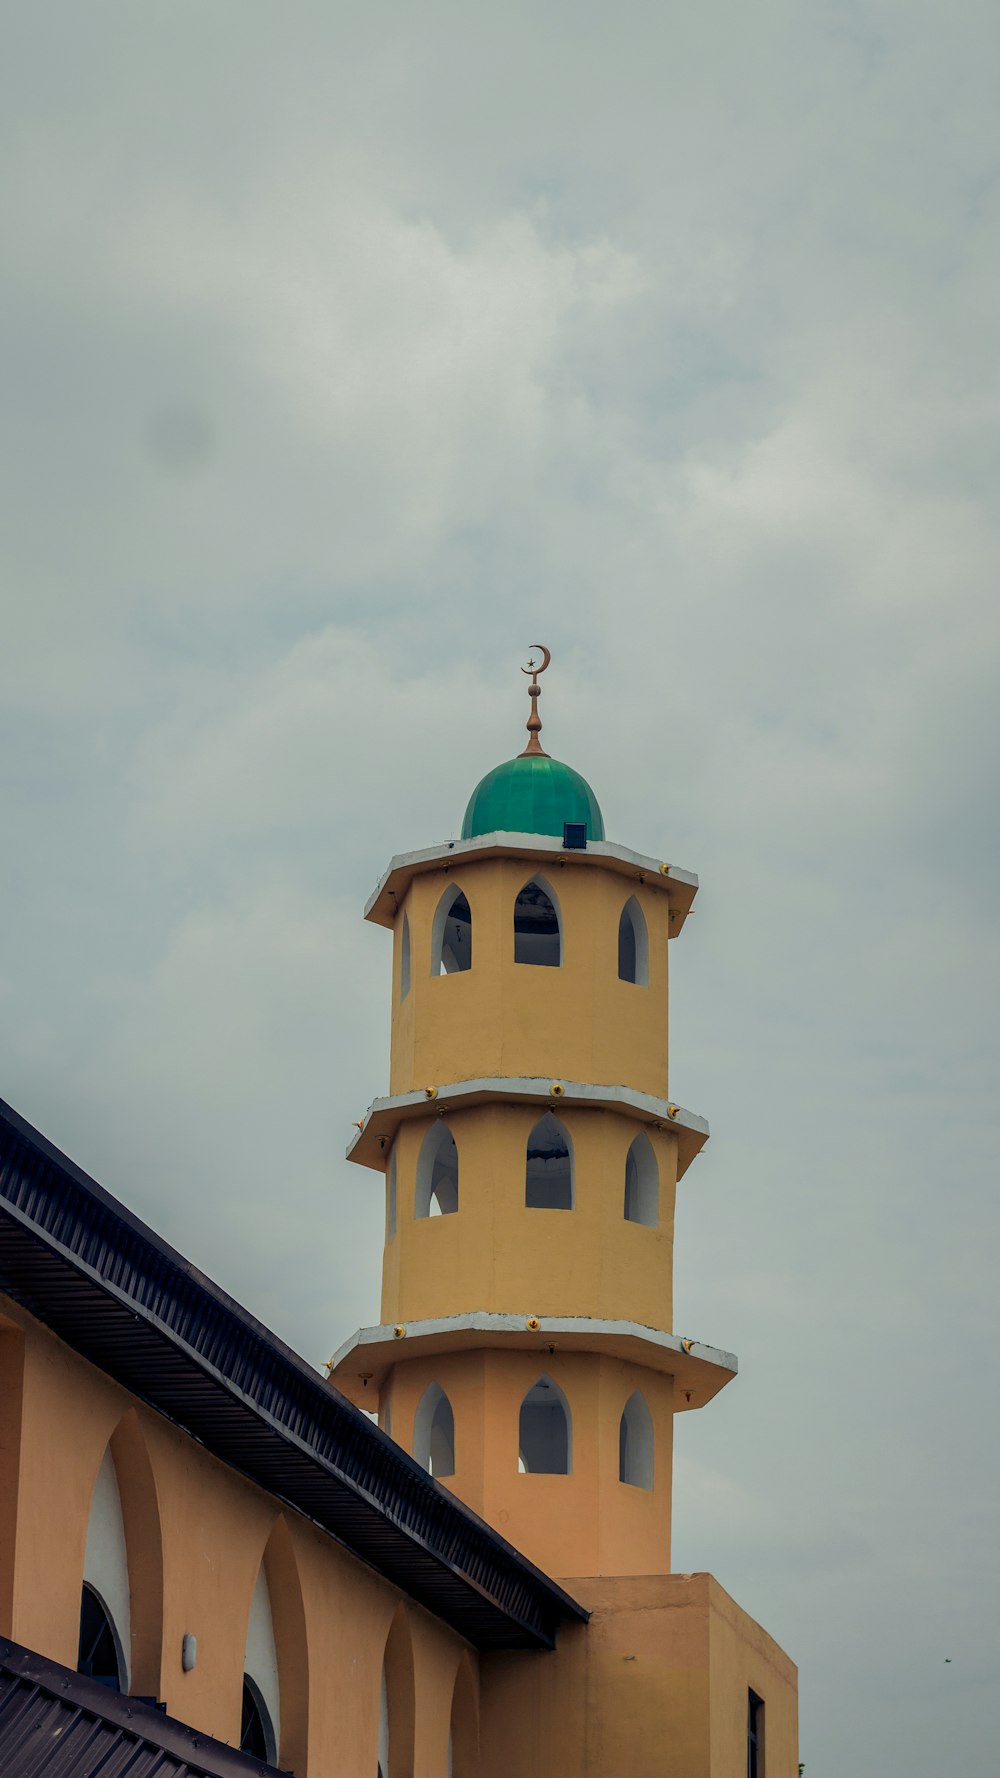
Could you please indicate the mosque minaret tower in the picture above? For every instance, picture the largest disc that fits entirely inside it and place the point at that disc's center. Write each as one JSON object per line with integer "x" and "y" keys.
{"x": 530, "y": 1153}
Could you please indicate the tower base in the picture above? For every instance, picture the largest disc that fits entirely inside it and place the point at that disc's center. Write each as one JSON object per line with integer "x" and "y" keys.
{"x": 657, "y": 1685}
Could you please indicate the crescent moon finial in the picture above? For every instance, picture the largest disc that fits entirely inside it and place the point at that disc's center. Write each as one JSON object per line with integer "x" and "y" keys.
{"x": 534, "y": 749}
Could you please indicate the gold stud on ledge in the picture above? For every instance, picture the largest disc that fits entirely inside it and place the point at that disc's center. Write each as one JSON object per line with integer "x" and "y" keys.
{"x": 533, "y": 1323}
{"x": 399, "y": 1331}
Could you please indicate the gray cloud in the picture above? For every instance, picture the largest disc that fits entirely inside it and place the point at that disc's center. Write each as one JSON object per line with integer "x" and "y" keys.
{"x": 345, "y": 357}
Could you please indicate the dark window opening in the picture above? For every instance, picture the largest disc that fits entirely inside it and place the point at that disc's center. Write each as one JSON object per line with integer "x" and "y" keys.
{"x": 642, "y": 1185}
{"x": 755, "y": 1736}
{"x": 633, "y": 945}
{"x": 452, "y": 935}
{"x": 537, "y": 938}
{"x": 404, "y": 960}
{"x": 544, "y": 1431}
{"x": 635, "y": 1443}
{"x": 437, "y": 1174}
{"x": 256, "y": 1733}
{"x": 97, "y": 1655}
{"x": 548, "y": 1178}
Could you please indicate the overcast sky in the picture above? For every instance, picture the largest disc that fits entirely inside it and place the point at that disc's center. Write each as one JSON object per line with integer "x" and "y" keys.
{"x": 350, "y": 350}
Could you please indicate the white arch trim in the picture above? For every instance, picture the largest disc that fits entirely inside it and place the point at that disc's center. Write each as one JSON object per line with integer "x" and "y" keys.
{"x": 105, "y": 1563}
{"x": 260, "y": 1662}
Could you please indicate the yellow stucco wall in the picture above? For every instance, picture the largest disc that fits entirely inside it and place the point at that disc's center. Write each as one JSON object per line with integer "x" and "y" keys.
{"x": 665, "y": 1665}
{"x": 577, "y": 1022}
{"x": 588, "y": 1522}
{"x": 196, "y": 1534}
{"x": 496, "y": 1253}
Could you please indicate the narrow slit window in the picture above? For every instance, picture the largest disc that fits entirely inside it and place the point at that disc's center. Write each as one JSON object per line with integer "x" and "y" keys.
{"x": 437, "y": 1174}
{"x": 537, "y": 933}
{"x": 404, "y": 960}
{"x": 633, "y": 945}
{"x": 451, "y": 938}
{"x": 434, "y": 1432}
{"x": 755, "y": 1736}
{"x": 642, "y": 1183}
{"x": 635, "y": 1443}
{"x": 545, "y": 1441}
{"x": 390, "y": 1199}
{"x": 548, "y": 1175}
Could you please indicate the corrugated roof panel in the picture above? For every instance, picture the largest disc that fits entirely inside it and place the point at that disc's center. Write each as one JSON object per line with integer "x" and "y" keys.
{"x": 55, "y": 1723}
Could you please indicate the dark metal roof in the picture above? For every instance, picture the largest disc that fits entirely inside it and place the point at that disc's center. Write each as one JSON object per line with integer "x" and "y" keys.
{"x": 54, "y": 1723}
{"x": 109, "y": 1287}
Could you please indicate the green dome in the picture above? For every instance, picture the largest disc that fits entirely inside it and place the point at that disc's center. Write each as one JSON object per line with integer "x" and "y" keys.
{"x": 532, "y": 794}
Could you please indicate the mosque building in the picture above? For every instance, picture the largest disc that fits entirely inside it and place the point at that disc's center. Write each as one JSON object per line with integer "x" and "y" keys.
{"x": 213, "y": 1561}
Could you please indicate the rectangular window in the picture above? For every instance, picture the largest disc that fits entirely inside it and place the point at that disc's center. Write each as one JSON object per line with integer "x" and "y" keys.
{"x": 755, "y": 1736}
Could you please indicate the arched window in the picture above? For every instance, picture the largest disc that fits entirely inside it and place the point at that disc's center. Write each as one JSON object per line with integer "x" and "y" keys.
{"x": 544, "y": 1445}
{"x": 434, "y": 1432}
{"x": 396, "y": 1701}
{"x": 257, "y": 1735}
{"x": 437, "y": 1174}
{"x": 451, "y": 934}
{"x": 548, "y": 1178}
{"x": 537, "y": 935}
{"x": 642, "y": 1183}
{"x": 633, "y": 945}
{"x": 635, "y": 1443}
{"x": 390, "y": 1198}
{"x": 106, "y": 1593}
{"x": 404, "y": 960}
{"x": 99, "y": 1653}
{"x": 261, "y": 1691}
{"x": 463, "y": 1740}
{"x": 283, "y": 1690}
{"x": 383, "y": 1728}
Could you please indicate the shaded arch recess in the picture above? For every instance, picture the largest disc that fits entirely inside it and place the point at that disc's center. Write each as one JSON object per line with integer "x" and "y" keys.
{"x": 437, "y": 1173}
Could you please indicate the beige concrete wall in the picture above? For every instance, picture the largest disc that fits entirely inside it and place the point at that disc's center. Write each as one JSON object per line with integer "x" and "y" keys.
{"x": 664, "y": 1667}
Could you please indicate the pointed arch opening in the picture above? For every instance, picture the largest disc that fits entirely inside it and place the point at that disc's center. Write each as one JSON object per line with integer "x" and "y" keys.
{"x": 404, "y": 959}
{"x": 545, "y": 1433}
{"x": 635, "y": 1442}
{"x": 140, "y": 1509}
{"x": 290, "y": 1709}
{"x": 633, "y": 945}
{"x": 642, "y": 1183}
{"x": 437, "y": 1174}
{"x": 434, "y": 1432}
{"x": 451, "y": 934}
{"x": 390, "y": 1199}
{"x": 463, "y": 1740}
{"x": 104, "y": 1650}
{"x": 548, "y": 1176}
{"x": 396, "y": 1701}
{"x": 261, "y": 1688}
{"x": 537, "y": 927}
